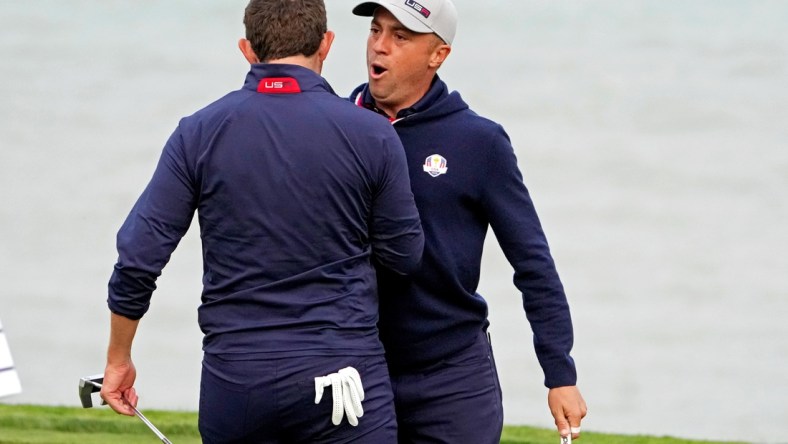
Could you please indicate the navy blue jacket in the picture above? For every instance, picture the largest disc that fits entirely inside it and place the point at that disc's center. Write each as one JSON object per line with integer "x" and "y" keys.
{"x": 297, "y": 192}
{"x": 472, "y": 183}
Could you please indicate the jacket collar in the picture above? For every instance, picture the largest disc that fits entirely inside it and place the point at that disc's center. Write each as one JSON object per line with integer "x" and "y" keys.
{"x": 274, "y": 78}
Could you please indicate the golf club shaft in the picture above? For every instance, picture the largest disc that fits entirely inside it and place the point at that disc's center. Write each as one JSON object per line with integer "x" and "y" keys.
{"x": 150, "y": 425}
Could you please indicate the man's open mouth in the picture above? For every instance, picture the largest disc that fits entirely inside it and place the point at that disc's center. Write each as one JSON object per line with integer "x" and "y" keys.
{"x": 377, "y": 70}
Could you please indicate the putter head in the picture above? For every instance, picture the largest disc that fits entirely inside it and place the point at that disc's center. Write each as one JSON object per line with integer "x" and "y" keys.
{"x": 87, "y": 386}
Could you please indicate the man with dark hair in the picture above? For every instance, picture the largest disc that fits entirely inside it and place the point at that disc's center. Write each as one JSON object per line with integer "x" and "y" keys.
{"x": 297, "y": 192}
{"x": 465, "y": 179}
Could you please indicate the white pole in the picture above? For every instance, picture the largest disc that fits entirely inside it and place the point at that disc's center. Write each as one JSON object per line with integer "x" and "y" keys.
{"x": 9, "y": 380}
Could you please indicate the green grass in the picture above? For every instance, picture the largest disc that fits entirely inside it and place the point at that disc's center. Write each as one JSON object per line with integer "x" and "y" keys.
{"x": 532, "y": 435}
{"x": 24, "y": 424}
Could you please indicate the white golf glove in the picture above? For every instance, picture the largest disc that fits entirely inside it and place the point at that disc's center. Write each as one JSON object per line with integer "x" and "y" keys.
{"x": 347, "y": 392}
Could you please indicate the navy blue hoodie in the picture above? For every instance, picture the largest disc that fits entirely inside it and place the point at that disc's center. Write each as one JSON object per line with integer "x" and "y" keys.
{"x": 296, "y": 191}
{"x": 465, "y": 178}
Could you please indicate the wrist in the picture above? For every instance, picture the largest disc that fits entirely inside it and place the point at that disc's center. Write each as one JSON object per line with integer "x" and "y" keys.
{"x": 118, "y": 358}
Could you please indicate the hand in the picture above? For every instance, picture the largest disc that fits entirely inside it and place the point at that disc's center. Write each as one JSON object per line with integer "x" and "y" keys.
{"x": 568, "y": 408}
{"x": 118, "y": 387}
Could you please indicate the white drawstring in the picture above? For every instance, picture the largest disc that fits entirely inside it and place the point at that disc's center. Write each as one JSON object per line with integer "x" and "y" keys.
{"x": 347, "y": 392}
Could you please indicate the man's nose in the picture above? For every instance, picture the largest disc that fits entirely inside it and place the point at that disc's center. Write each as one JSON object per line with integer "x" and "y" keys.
{"x": 381, "y": 44}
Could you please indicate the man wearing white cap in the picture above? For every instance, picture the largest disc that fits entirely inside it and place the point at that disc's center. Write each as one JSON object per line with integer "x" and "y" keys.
{"x": 465, "y": 178}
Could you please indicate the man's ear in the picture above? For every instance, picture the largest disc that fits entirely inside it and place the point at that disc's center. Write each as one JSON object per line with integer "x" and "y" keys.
{"x": 439, "y": 55}
{"x": 246, "y": 49}
{"x": 325, "y": 45}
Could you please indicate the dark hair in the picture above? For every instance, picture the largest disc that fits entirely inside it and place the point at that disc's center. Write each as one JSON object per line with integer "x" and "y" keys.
{"x": 284, "y": 28}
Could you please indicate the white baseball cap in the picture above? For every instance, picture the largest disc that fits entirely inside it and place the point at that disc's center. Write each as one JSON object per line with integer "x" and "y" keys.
{"x": 422, "y": 16}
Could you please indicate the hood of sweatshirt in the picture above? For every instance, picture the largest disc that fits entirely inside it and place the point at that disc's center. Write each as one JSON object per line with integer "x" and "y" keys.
{"x": 437, "y": 103}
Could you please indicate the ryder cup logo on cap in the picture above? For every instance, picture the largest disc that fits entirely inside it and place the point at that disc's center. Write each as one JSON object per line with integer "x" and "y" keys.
{"x": 422, "y": 16}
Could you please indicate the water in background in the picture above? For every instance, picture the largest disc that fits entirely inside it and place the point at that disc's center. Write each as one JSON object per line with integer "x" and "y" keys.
{"x": 652, "y": 135}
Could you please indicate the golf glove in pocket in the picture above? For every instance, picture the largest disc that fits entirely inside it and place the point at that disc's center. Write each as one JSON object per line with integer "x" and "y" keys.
{"x": 347, "y": 392}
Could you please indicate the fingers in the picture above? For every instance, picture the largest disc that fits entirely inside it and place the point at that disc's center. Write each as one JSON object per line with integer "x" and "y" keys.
{"x": 573, "y": 424}
{"x": 568, "y": 409}
{"x": 114, "y": 398}
{"x": 566, "y": 428}
{"x": 563, "y": 428}
{"x": 576, "y": 416}
{"x": 120, "y": 401}
{"x": 118, "y": 390}
{"x": 569, "y": 427}
{"x": 130, "y": 396}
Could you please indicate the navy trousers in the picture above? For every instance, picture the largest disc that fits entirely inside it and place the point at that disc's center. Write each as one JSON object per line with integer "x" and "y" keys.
{"x": 273, "y": 401}
{"x": 457, "y": 401}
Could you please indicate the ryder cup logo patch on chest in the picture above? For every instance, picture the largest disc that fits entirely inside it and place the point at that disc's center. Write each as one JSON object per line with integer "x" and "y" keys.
{"x": 435, "y": 165}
